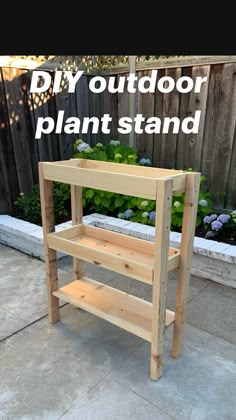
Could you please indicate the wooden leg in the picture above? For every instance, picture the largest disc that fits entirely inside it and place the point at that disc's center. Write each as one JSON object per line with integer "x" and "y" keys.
{"x": 77, "y": 218}
{"x": 47, "y": 211}
{"x": 162, "y": 232}
{"x": 186, "y": 250}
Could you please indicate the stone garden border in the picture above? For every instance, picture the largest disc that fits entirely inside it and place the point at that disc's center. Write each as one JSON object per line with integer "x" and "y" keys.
{"x": 212, "y": 260}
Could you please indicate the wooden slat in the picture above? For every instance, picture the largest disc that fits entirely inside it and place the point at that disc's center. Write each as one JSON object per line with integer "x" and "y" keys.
{"x": 47, "y": 211}
{"x": 123, "y": 109}
{"x": 122, "y": 168}
{"x": 170, "y": 109}
{"x": 189, "y": 146}
{"x": 158, "y": 112}
{"x": 77, "y": 218}
{"x": 173, "y": 260}
{"x": 82, "y": 94}
{"x": 99, "y": 235}
{"x": 119, "y": 308}
{"x": 230, "y": 200}
{"x": 132, "y": 101}
{"x": 94, "y": 111}
{"x": 146, "y": 108}
{"x": 137, "y": 244}
{"x": 108, "y": 105}
{"x": 219, "y": 130}
{"x": 47, "y": 144}
{"x": 106, "y": 181}
{"x": 14, "y": 79}
{"x": 122, "y": 260}
{"x": 67, "y": 103}
{"x": 162, "y": 232}
{"x": 9, "y": 187}
{"x": 186, "y": 251}
{"x": 173, "y": 62}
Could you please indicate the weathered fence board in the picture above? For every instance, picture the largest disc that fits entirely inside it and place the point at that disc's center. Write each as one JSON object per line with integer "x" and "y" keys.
{"x": 170, "y": 109}
{"x": 18, "y": 127}
{"x": 146, "y": 103}
{"x": 219, "y": 130}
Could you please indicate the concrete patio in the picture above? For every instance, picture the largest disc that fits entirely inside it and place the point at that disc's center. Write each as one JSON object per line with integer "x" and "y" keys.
{"x": 85, "y": 368}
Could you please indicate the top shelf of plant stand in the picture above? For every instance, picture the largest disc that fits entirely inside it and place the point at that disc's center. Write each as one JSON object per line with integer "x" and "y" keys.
{"x": 134, "y": 180}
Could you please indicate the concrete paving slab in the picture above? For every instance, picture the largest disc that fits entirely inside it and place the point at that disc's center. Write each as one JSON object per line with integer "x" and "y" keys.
{"x": 23, "y": 297}
{"x": 9, "y": 324}
{"x": 200, "y": 385}
{"x": 144, "y": 291}
{"x": 110, "y": 400}
{"x": 214, "y": 311}
{"x": 46, "y": 369}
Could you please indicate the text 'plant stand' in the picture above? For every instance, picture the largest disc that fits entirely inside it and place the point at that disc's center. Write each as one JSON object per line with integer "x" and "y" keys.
{"x": 145, "y": 261}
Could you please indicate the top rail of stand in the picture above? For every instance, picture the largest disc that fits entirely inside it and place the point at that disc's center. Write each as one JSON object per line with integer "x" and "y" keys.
{"x": 137, "y": 181}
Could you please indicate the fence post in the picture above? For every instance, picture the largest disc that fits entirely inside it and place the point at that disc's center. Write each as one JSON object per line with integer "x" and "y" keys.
{"x": 132, "y": 101}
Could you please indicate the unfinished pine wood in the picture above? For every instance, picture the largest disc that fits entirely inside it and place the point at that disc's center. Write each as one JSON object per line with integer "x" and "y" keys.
{"x": 119, "y": 308}
{"x": 142, "y": 260}
{"x": 126, "y": 255}
{"x": 162, "y": 232}
{"x": 47, "y": 211}
{"x": 111, "y": 178}
{"x": 77, "y": 218}
{"x": 186, "y": 251}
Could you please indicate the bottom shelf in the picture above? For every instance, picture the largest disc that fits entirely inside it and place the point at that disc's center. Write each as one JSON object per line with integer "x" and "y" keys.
{"x": 126, "y": 311}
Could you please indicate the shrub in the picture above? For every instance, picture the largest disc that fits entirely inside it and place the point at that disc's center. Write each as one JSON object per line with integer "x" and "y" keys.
{"x": 220, "y": 227}
{"x": 29, "y": 204}
{"x": 109, "y": 203}
{"x": 126, "y": 207}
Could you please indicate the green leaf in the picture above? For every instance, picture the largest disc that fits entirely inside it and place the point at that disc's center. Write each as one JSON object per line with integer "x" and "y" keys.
{"x": 97, "y": 200}
{"x": 119, "y": 201}
{"x": 89, "y": 193}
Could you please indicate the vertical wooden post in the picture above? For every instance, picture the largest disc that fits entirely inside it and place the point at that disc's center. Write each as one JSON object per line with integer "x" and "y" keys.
{"x": 132, "y": 101}
{"x": 162, "y": 232}
{"x": 77, "y": 218}
{"x": 186, "y": 251}
{"x": 47, "y": 211}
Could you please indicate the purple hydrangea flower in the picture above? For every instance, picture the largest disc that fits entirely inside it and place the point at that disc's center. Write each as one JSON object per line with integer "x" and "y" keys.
{"x": 207, "y": 219}
{"x": 216, "y": 225}
{"x": 128, "y": 213}
{"x": 81, "y": 147}
{"x": 152, "y": 215}
{"x": 213, "y": 217}
{"x": 223, "y": 218}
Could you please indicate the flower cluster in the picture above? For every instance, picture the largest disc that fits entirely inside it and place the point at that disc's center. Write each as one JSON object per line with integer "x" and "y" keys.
{"x": 218, "y": 224}
{"x": 145, "y": 162}
{"x": 145, "y": 215}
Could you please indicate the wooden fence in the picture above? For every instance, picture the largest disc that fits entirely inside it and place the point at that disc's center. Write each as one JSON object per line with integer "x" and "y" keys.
{"x": 212, "y": 150}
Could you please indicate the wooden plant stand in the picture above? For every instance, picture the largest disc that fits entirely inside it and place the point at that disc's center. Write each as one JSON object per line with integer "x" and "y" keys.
{"x": 145, "y": 261}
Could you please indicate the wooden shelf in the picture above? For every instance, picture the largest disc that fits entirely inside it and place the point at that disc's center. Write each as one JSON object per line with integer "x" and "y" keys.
{"x": 126, "y": 255}
{"x": 119, "y": 308}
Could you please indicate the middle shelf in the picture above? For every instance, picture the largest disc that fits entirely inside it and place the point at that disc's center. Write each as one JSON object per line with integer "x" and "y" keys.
{"x": 123, "y": 254}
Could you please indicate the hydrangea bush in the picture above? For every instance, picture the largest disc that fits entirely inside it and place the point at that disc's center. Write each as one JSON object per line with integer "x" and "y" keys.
{"x": 126, "y": 207}
{"x": 220, "y": 227}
